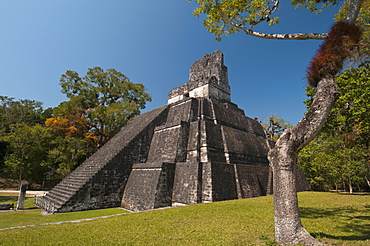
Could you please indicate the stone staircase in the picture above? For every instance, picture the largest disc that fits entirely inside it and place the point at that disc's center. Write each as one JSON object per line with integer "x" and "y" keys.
{"x": 68, "y": 187}
{"x": 99, "y": 181}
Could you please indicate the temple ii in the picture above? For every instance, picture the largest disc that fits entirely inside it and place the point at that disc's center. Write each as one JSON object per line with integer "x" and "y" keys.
{"x": 198, "y": 148}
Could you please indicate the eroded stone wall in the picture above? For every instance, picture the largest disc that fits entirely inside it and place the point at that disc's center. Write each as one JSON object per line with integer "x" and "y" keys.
{"x": 200, "y": 147}
{"x": 208, "y": 78}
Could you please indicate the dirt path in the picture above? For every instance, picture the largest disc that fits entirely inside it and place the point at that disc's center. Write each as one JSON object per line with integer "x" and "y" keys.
{"x": 28, "y": 192}
{"x": 62, "y": 222}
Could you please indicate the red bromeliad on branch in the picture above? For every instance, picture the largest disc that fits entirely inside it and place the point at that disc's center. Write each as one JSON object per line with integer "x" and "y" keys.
{"x": 337, "y": 47}
{"x": 229, "y": 17}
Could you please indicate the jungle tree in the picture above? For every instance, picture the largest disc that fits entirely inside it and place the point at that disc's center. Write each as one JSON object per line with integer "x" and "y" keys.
{"x": 274, "y": 126}
{"x": 100, "y": 103}
{"x": 340, "y": 155}
{"x": 225, "y": 17}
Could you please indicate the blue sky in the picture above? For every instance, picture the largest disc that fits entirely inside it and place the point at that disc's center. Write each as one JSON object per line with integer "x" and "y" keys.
{"x": 154, "y": 43}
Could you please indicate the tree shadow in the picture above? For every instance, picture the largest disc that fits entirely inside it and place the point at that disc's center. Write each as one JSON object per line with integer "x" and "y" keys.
{"x": 14, "y": 200}
{"x": 363, "y": 237}
{"x": 8, "y": 198}
{"x": 359, "y": 226}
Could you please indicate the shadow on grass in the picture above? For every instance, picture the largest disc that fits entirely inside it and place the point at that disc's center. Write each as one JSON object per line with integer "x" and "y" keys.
{"x": 363, "y": 237}
{"x": 347, "y": 221}
{"x": 14, "y": 200}
{"x": 8, "y": 198}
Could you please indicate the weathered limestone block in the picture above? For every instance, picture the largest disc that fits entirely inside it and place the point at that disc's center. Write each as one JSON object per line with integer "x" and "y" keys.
{"x": 99, "y": 182}
{"x": 211, "y": 143}
{"x": 187, "y": 183}
{"x": 208, "y": 78}
{"x": 149, "y": 186}
{"x": 223, "y": 182}
{"x": 169, "y": 143}
{"x": 193, "y": 148}
{"x": 245, "y": 147}
{"x": 253, "y": 180}
{"x": 199, "y": 148}
{"x": 186, "y": 110}
{"x": 302, "y": 183}
{"x": 22, "y": 195}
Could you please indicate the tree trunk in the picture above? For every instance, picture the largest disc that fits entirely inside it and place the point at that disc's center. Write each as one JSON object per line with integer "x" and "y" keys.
{"x": 101, "y": 134}
{"x": 283, "y": 158}
{"x": 367, "y": 181}
{"x": 350, "y": 185}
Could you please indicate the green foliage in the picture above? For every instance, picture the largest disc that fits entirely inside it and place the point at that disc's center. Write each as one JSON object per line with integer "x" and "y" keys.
{"x": 340, "y": 155}
{"x": 24, "y": 111}
{"x": 336, "y": 219}
{"x": 274, "y": 126}
{"x": 107, "y": 99}
{"x": 67, "y": 154}
{"x": 351, "y": 113}
{"x": 223, "y": 17}
{"x": 328, "y": 163}
{"x": 13, "y": 112}
{"x": 28, "y": 151}
{"x": 315, "y": 6}
{"x": 37, "y": 144}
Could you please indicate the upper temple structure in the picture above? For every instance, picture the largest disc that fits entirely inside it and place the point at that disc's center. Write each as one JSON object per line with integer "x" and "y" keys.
{"x": 200, "y": 147}
{"x": 208, "y": 78}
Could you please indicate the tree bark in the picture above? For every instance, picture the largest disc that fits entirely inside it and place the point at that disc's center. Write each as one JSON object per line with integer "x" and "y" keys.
{"x": 367, "y": 181}
{"x": 350, "y": 185}
{"x": 283, "y": 158}
{"x": 249, "y": 31}
{"x": 291, "y": 36}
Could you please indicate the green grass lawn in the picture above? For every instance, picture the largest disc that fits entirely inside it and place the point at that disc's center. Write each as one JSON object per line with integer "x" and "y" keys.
{"x": 32, "y": 215}
{"x": 333, "y": 218}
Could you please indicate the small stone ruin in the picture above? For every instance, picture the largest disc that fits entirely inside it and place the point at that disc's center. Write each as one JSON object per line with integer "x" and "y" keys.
{"x": 198, "y": 148}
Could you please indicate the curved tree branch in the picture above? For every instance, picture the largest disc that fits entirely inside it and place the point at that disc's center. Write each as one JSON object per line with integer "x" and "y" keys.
{"x": 293, "y": 36}
{"x": 313, "y": 121}
{"x": 267, "y": 16}
{"x": 353, "y": 10}
{"x": 283, "y": 157}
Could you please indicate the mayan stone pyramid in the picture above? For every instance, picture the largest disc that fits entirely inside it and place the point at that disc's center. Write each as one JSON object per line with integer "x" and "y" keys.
{"x": 198, "y": 148}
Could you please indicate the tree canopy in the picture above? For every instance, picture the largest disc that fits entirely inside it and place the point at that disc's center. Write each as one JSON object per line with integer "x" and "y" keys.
{"x": 100, "y": 103}
{"x": 225, "y": 17}
{"x": 37, "y": 144}
{"x": 274, "y": 126}
{"x": 340, "y": 155}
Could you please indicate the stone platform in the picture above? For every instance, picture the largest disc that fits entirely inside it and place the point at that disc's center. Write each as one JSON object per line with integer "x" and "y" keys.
{"x": 200, "y": 147}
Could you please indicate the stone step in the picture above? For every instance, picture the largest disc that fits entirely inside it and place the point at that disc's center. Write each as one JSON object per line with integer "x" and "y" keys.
{"x": 68, "y": 185}
{"x": 81, "y": 176}
{"x": 57, "y": 198}
{"x": 73, "y": 185}
{"x": 98, "y": 162}
{"x": 86, "y": 170}
{"x": 48, "y": 202}
{"x": 76, "y": 179}
{"x": 66, "y": 189}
